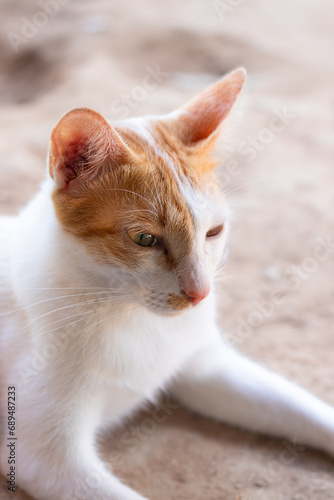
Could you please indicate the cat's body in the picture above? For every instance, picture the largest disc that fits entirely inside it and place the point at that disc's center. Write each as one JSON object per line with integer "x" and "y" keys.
{"x": 127, "y": 362}
{"x": 96, "y": 317}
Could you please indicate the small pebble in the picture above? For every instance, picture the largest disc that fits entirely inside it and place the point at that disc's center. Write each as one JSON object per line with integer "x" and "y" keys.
{"x": 260, "y": 483}
{"x": 271, "y": 273}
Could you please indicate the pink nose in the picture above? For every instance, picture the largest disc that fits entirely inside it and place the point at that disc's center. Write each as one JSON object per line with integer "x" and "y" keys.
{"x": 195, "y": 296}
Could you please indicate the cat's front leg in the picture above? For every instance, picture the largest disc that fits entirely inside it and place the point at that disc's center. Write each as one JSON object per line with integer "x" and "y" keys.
{"x": 77, "y": 477}
{"x": 220, "y": 383}
{"x": 56, "y": 456}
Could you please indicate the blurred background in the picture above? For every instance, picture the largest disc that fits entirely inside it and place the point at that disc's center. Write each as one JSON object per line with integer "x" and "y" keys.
{"x": 131, "y": 58}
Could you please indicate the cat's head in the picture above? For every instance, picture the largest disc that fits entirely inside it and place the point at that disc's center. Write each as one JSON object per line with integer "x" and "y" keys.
{"x": 142, "y": 196}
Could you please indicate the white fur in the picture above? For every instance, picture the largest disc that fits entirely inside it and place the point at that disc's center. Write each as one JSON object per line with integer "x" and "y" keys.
{"x": 79, "y": 364}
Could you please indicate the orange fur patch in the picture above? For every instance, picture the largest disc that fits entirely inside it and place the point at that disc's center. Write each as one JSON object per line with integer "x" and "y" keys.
{"x": 143, "y": 196}
{"x": 135, "y": 184}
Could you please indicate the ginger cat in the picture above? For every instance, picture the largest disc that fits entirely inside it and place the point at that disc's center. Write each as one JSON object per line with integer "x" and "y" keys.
{"x": 107, "y": 297}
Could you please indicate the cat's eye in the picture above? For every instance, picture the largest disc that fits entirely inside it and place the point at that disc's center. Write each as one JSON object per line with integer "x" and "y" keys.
{"x": 215, "y": 231}
{"x": 143, "y": 239}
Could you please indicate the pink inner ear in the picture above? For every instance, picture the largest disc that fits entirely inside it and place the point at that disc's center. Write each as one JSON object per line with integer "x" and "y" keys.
{"x": 206, "y": 112}
{"x": 74, "y": 152}
{"x": 81, "y": 141}
{"x": 74, "y": 159}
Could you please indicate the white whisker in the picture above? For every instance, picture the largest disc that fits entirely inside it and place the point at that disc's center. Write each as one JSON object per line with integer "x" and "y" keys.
{"x": 240, "y": 186}
{"x": 49, "y": 300}
{"x": 136, "y": 194}
{"x": 77, "y": 304}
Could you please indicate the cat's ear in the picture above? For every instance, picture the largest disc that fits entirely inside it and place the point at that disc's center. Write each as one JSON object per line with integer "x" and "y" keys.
{"x": 201, "y": 118}
{"x": 80, "y": 144}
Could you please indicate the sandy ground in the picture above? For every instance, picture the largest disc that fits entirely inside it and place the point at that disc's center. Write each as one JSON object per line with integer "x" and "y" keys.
{"x": 282, "y": 195}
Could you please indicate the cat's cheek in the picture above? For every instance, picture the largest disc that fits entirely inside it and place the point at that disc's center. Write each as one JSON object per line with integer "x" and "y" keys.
{"x": 214, "y": 252}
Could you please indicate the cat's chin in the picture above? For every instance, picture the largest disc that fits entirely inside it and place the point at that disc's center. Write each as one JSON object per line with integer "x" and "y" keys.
{"x": 166, "y": 312}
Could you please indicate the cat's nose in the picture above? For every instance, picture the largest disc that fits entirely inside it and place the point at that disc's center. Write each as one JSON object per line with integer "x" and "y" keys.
{"x": 195, "y": 296}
